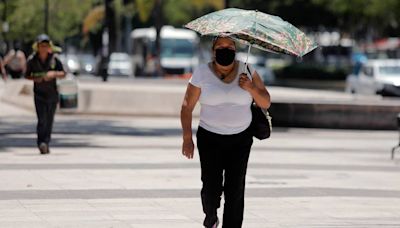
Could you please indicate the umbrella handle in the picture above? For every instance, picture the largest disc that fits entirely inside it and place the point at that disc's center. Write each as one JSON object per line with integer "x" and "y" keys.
{"x": 248, "y": 51}
{"x": 247, "y": 59}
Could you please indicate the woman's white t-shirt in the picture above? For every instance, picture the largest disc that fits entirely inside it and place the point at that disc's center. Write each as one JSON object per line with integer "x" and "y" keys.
{"x": 225, "y": 107}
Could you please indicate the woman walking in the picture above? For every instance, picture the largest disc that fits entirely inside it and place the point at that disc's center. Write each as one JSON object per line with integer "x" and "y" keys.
{"x": 44, "y": 68}
{"x": 224, "y": 139}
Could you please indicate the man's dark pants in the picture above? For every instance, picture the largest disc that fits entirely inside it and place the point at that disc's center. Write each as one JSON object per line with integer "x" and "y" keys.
{"x": 45, "y": 112}
{"x": 223, "y": 160}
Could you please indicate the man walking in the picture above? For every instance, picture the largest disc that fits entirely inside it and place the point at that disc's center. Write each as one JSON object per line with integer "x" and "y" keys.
{"x": 44, "y": 68}
{"x": 15, "y": 61}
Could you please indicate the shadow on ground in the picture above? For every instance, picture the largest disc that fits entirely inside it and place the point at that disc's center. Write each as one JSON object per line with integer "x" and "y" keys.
{"x": 88, "y": 127}
{"x": 17, "y": 132}
{"x": 12, "y": 132}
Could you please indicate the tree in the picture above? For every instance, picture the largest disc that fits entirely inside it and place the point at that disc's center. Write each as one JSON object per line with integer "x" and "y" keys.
{"x": 176, "y": 12}
{"x": 355, "y": 17}
{"x": 65, "y": 18}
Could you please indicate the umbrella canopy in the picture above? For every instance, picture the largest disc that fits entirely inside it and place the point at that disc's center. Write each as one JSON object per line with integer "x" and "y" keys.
{"x": 260, "y": 30}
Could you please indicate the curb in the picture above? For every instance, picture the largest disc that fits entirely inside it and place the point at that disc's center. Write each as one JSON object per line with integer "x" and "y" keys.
{"x": 165, "y": 100}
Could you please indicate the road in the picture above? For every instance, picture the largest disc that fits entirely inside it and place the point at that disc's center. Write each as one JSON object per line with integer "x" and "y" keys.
{"x": 110, "y": 171}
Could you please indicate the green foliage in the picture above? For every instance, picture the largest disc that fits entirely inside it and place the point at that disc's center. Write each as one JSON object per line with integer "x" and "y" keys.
{"x": 180, "y": 12}
{"x": 345, "y": 15}
{"x": 67, "y": 16}
{"x": 26, "y": 18}
{"x": 144, "y": 9}
{"x": 376, "y": 14}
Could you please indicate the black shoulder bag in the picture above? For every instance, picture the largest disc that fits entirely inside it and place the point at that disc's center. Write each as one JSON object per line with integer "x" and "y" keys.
{"x": 261, "y": 125}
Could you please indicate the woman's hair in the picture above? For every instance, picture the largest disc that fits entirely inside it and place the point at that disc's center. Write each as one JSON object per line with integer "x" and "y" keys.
{"x": 215, "y": 39}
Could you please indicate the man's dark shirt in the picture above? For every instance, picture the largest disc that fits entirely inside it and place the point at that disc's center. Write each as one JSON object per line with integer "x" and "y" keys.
{"x": 45, "y": 90}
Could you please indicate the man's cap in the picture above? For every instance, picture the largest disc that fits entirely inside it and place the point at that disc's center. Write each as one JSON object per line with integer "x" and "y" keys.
{"x": 43, "y": 38}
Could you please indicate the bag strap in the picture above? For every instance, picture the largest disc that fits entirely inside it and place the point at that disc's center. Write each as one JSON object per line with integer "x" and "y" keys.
{"x": 251, "y": 77}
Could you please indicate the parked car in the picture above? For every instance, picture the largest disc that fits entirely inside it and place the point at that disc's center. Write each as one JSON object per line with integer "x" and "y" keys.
{"x": 376, "y": 77}
{"x": 88, "y": 63}
{"x": 259, "y": 64}
{"x": 71, "y": 63}
{"x": 120, "y": 64}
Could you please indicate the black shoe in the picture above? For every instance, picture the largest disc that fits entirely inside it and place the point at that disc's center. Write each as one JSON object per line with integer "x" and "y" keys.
{"x": 215, "y": 225}
{"x": 44, "y": 148}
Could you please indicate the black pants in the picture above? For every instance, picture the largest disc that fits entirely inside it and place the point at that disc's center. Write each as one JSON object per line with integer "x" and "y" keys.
{"x": 45, "y": 113}
{"x": 223, "y": 161}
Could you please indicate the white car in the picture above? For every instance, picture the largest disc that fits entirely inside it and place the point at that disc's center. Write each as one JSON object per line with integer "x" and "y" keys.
{"x": 70, "y": 63}
{"x": 376, "y": 77}
{"x": 120, "y": 64}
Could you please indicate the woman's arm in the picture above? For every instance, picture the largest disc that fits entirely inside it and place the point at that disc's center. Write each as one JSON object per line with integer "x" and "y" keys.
{"x": 191, "y": 97}
{"x": 54, "y": 74}
{"x": 23, "y": 61}
{"x": 256, "y": 88}
{"x": 57, "y": 72}
{"x": 2, "y": 70}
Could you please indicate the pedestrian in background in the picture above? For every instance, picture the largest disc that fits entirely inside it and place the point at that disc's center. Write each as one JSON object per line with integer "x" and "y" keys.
{"x": 224, "y": 139}
{"x": 44, "y": 68}
{"x": 15, "y": 61}
{"x": 2, "y": 69}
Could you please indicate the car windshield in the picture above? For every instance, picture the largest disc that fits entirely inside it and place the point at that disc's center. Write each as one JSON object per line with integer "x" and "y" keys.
{"x": 177, "y": 48}
{"x": 389, "y": 70}
{"x": 119, "y": 58}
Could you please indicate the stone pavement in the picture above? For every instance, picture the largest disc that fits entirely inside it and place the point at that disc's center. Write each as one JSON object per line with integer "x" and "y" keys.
{"x": 128, "y": 172}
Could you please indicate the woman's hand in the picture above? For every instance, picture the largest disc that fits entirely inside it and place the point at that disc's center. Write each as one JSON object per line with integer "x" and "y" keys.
{"x": 256, "y": 88}
{"x": 189, "y": 102}
{"x": 188, "y": 148}
{"x": 245, "y": 83}
{"x": 50, "y": 75}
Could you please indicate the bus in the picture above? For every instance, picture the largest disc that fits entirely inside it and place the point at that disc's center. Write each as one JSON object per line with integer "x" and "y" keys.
{"x": 179, "y": 51}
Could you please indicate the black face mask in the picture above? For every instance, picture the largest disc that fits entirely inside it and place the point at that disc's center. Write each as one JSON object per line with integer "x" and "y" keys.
{"x": 224, "y": 56}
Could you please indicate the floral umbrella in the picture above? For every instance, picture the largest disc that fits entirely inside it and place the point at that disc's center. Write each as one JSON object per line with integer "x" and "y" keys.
{"x": 261, "y": 30}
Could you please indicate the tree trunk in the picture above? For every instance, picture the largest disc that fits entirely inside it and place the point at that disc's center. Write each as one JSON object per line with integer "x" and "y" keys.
{"x": 158, "y": 19}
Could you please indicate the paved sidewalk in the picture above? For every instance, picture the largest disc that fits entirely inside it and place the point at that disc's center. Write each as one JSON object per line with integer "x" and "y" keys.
{"x": 128, "y": 172}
